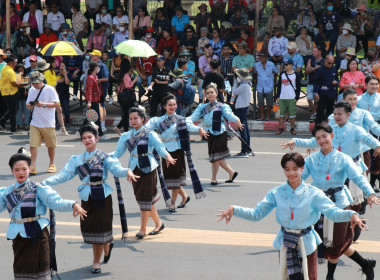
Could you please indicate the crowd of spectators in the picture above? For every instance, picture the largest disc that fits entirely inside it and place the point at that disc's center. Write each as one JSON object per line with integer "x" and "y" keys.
{"x": 210, "y": 47}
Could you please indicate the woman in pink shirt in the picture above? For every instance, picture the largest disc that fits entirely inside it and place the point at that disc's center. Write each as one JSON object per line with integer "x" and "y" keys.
{"x": 141, "y": 23}
{"x": 126, "y": 95}
{"x": 353, "y": 78}
{"x": 15, "y": 19}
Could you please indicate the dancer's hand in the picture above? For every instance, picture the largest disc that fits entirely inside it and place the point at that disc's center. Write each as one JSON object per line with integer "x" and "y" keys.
{"x": 289, "y": 145}
{"x": 308, "y": 151}
{"x": 131, "y": 177}
{"x": 170, "y": 160}
{"x": 357, "y": 221}
{"x": 226, "y": 214}
{"x": 240, "y": 125}
{"x": 376, "y": 152}
{"x": 373, "y": 199}
{"x": 203, "y": 133}
{"x": 78, "y": 210}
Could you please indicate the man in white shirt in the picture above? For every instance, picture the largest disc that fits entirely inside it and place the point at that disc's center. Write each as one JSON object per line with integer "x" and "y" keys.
{"x": 35, "y": 19}
{"x": 122, "y": 35}
{"x": 55, "y": 18}
{"x": 43, "y": 100}
{"x": 277, "y": 46}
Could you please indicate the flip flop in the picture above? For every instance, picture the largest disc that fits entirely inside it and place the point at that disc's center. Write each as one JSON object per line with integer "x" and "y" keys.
{"x": 33, "y": 171}
{"x": 52, "y": 169}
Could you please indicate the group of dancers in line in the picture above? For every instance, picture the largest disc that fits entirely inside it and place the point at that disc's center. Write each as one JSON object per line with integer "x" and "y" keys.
{"x": 299, "y": 204}
{"x": 27, "y": 201}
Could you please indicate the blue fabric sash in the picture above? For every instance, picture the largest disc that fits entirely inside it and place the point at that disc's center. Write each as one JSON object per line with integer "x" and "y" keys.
{"x": 94, "y": 167}
{"x": 292, "y": 257}
{"x": 216, "y": 107}
{"x": 141, "y": 140}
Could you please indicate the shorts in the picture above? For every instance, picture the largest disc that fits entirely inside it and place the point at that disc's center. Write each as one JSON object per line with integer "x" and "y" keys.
{"x": 102, "y": 101}
{"x": 36, "y": 134}
{"x": 310, "y": 92}
{"x": 288, "y": 105}
{"x": 268, "y": 96}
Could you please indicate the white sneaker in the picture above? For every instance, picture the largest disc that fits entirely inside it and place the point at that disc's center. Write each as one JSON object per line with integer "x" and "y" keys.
{"x": 77, "y": 134}
{"x": 75, "y": 98}
{"x": 110, "y": 100}
{"x": 104, "y": 128}
{"x": 63, "y": 132}
{"x": 105, "y": 137}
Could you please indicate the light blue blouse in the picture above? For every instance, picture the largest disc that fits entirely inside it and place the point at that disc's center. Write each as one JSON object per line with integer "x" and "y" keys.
{"x": 370, "y": 103}
{"x": 340, "y": 167}
{"x": 361, "y": 118}
{"x": 352, "y": 139}
{"x": 47, "y": 197}
{"x": 154, "y": 142}
{"x": 170, "y": 137}
{"x": 307, "y": 202}
{"x": 226, "y": 112}
{"x": 111, "y": 164}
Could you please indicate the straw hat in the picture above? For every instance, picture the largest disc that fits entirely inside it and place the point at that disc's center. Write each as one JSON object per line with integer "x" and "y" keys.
{"x": 243, "y": 73}
{"x": 42, "y": 65}
{"x": 347, "y": 26}
{"x": 351, "y": 51}
{"x": 177, "y": 73}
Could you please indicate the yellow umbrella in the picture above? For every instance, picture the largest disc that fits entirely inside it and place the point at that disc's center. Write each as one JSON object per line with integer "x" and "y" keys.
{"x": 61, "y": 48}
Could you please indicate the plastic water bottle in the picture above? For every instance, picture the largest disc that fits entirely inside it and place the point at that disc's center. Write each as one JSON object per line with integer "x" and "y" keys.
{"x": 227, "y": 86}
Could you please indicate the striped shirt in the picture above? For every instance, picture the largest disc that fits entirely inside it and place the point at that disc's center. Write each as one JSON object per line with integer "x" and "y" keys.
{"x": 226, "y": 64}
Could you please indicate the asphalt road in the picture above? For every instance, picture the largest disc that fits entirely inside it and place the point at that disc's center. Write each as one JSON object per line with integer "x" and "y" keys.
{"x": 193, "y": 245}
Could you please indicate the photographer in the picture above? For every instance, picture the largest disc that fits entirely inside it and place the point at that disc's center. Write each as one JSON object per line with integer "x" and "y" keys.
{"x": 43, "y": 100}
{"x": 307, "y": 18}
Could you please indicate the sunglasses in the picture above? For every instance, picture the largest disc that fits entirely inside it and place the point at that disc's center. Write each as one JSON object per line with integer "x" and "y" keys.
{"x": 32, "y": 61}
{"x": 330, "y": 63}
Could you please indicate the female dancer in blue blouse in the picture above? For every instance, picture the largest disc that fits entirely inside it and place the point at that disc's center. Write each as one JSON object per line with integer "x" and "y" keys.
{"x": 299, "y": 206}
{"x": 140, "y": 142}
{"x": 26, "y": 202}
{"x": 213, "y": 114}
{"x": 92, "y": 167}
{"x": 167, "y": 125}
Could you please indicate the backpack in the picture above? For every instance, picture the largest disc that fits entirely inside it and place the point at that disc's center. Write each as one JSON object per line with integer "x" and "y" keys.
{"x": 188, "y": 94}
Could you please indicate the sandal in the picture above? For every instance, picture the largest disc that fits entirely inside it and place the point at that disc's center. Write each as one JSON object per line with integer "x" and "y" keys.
{"x": 52, "y": 169}
{"x": 293, "y": 131}
{"x": 32, "y": 171}
{"x": 279, "y": 131}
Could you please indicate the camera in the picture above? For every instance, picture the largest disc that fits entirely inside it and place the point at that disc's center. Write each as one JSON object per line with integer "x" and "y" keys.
{"x": 307, "y": 11}
{"x": 33, "y": 103}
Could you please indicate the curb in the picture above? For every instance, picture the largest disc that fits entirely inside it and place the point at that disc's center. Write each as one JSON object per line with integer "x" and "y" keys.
{"x": 253, "y": 125}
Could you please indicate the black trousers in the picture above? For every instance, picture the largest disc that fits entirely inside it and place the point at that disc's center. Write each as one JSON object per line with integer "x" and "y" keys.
{"x": 327, "y": 104}
{"x": 126, "y": 100}
{"x": 364, "y": 39}
{"x": 155, "y": 100}
{"x": 12, "y": 103}
{"x": 95, "y": 106}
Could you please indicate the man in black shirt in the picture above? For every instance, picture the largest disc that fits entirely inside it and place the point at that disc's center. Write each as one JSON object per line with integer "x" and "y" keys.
{"x": 189, "y": 42}
{"x": 159, "y": 84}
{"x": 214, "y": 77}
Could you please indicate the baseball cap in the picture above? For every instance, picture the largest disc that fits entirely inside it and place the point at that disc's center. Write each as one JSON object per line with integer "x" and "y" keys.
{"x": 160, "y": 57}
{"x": 33, "y": 58}
{"x": 96, "y": 52}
